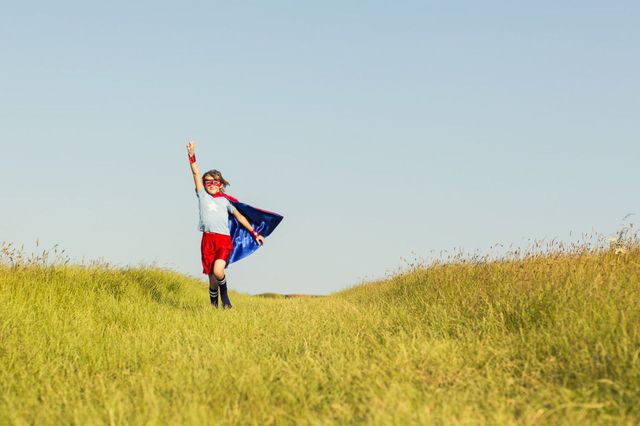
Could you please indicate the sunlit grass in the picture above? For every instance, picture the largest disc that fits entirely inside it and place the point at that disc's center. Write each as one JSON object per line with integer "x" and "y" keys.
{"x": 531, "y": 338}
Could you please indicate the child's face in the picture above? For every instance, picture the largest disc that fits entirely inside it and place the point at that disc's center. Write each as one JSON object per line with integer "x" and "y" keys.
{"x": 212, "y": 185}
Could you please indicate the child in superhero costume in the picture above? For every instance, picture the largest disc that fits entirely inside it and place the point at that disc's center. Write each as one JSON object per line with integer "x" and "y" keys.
{"x": 231, "y": 230}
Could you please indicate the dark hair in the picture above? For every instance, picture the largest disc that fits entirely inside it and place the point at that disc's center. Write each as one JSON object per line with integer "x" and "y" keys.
{"x": 216, "y": 175}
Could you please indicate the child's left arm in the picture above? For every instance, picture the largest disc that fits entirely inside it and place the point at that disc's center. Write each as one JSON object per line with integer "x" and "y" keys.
{"x": 244, "y": 222}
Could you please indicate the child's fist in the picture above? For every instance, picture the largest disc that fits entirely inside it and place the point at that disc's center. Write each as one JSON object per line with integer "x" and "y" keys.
{"x": 191, "y": 145}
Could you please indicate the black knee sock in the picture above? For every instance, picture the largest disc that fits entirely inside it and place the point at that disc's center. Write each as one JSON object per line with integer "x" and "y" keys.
{"x": 213, "y": 296}
{"x": 222, "y": 284}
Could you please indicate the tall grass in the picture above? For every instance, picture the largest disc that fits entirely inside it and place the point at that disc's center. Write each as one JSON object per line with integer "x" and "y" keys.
{"x": 531, "y": 338}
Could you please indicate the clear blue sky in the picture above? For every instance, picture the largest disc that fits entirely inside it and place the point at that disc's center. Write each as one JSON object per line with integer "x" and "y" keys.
{"x": 377, "y": 129}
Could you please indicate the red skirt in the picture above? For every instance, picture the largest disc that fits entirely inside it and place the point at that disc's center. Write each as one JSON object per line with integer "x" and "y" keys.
{"x": 213, "y": 247}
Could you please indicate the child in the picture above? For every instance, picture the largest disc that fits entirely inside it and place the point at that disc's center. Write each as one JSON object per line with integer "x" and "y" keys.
{"x": 219, "y": 223}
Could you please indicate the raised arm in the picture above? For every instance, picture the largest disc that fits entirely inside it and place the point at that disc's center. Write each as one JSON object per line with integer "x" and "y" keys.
{"x": 191, "y": 146}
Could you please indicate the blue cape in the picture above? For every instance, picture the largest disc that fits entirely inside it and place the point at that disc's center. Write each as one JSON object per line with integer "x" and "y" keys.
{"x": 264, "y": 222}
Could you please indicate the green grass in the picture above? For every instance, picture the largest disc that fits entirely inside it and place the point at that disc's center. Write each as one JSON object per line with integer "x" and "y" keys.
{"x": 544, "y": 339}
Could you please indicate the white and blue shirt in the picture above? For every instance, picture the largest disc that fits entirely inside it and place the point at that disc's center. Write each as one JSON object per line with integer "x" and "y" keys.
{"x": 214, "y": 213}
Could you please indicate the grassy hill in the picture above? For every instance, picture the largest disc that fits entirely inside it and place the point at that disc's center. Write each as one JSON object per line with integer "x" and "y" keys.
{"x": 544, "y": 339}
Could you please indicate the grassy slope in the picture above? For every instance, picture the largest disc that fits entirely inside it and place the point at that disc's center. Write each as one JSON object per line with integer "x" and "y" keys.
{"x": 549, "y": 339}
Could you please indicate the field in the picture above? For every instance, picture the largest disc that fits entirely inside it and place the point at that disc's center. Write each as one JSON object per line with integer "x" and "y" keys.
{"x": 535, "y": 339}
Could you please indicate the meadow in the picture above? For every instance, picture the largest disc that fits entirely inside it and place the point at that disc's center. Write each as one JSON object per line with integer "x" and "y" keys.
{"x": 531, "y": 338}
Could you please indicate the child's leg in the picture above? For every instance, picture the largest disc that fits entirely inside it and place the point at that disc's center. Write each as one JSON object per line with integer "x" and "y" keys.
{"x": 218, "y": 272}
{"x": 213, "y": 290}
{"x": 207, "y": 252}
